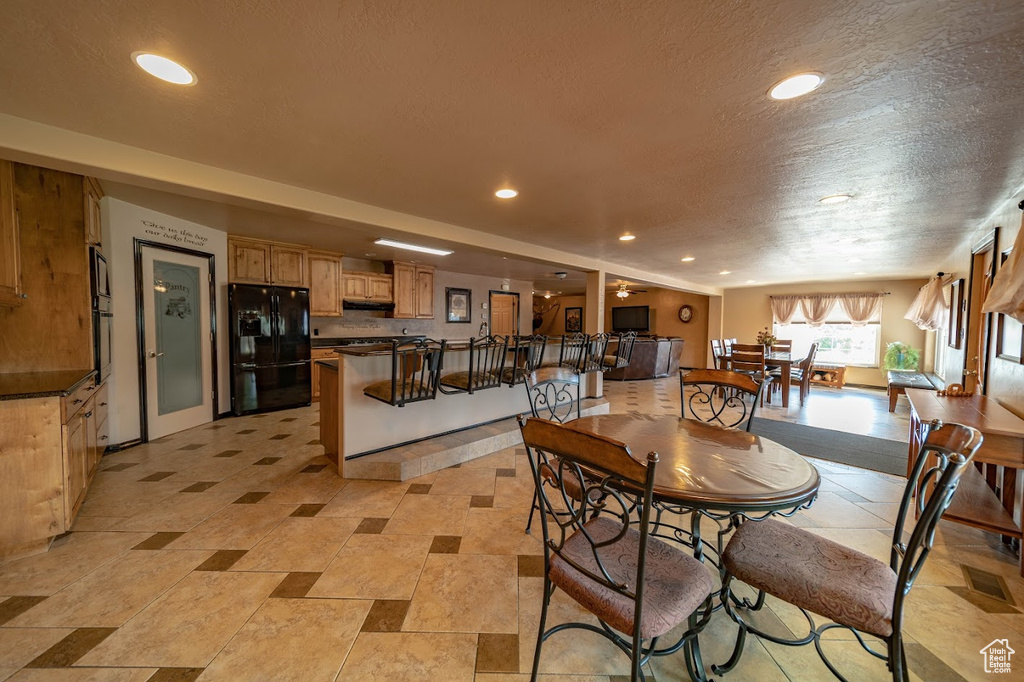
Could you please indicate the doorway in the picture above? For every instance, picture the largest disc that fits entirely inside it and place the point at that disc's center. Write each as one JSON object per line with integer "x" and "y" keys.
{"x": 175, "y": 299}
{"x": 983, "y": 270}
{"x": 504, "y": 313}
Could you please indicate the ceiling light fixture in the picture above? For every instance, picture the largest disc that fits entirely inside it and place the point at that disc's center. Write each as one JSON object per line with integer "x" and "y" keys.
{"x": 835, "y": 198}
{"x": 163, "y": 68}
{"x": 725, "y": 272}
{"x": 751, "y": 281}
{"x": 688, "y": 259}
{"x": 506, "y": 193}
{"x": 547, "y": 295}
{"x": 794, "y": 86}
{"x": 622, "y": 293}
{"x": 860, "y": 273}
{"x": 413, "y": 247}
{"x": 627, "y": 237}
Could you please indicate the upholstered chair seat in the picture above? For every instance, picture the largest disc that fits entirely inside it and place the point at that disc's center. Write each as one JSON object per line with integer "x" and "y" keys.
{"x": 460, "y": 380}
{"x": 412, "y": 391}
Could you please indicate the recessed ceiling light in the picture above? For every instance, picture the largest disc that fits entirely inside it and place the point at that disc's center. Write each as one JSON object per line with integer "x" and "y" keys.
{"x": 751, "y": 281}
{"x": 853, "y": 260}
{"x": 860, "y": 273}
{"x": 627, "y": 237}
{"x": 506, "y": 193}
{"x": 794, "y": 86}
{"x": 413, "y": 247}
{"x": 725, "y": 272}
{"x": 835, "y": 198}
{"x": 164, "y": 68}
{"x": 688, "y": 259}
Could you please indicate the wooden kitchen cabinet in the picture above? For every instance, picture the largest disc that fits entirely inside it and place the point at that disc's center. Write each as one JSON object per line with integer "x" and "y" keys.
{"x": 368, "y": 286}
{"x": 10, "y": 244}
{"x": 318, "y": 354}
{"x": 288, "y": 266}
{"x": 248, "y": 261}
{"x": 76, "y": 465}
{"x": 93, "y": 224}
{"x": 413, "y": 290}
{"x": 325, "y": 285}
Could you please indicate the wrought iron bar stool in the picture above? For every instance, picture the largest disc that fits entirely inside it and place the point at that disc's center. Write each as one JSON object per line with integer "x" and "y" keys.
{"x": 415, "y": 372}
{"x": 527, "y": 356}
{"x": 487, "y": 356}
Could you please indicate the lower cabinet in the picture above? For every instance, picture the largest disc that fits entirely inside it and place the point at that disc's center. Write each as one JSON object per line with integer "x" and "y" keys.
{"x": 77, "y": 447}
{"x": 318, "y": 354}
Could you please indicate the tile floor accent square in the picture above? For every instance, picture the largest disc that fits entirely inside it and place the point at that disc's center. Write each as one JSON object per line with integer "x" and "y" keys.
{"x": 531, "y": 566}
{"x": 227, "y": 453}
{"x": 202, "y": 486}
{"x": 158, "y": 541}
{"x": 251, "y": 498}
{"x": 386, "y": 615}
{"x": 497, "y": 653}
{"x": 314, "y": 468}
{"x": 295, "y": 585}
{"x": 289, "y": 419}
{"x": 158, "y": 476}
{"x": 266, "y": 461}
{"x": 445, "y": 544}
{"x": 246, "y": 432}
{"x": 308, "y": 510}
{"x": 15, "y": 606}
{"x": 122, "y": 466}
{"x": 222, "y": 560}
{"x": 176, "y": 675}
{"x": 192, "y": 446}
{"x": 315, "y": 441}
{"x": 419, "y": 489}
{"x": 280, "y": 436}
{"x": 68, "y": 650}
{"x": 371, "y": 526}
{"x": 481, "y": 501}
{"x": 505, "y": 473}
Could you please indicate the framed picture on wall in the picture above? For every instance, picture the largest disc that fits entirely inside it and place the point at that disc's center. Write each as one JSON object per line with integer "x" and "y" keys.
{"x": 573, "y": 320}
{"x": 956, "y": 308}
{"x": 458, "y": 304}
{"x": 1009, "y": 332}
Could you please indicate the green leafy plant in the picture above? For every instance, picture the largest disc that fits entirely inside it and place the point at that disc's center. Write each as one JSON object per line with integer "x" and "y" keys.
{"x": 899, "y": 355}
{"x": 766, "y": 338}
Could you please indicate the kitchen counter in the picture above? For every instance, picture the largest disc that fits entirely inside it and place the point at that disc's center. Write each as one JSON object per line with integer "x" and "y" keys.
{"x": 23, "y": 385}
{"x": 341, "y": 341}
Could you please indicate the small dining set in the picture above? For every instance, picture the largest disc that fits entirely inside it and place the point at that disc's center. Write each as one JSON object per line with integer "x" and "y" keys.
{"x": 624, "y": 501}
{"x": 775, "y": 364}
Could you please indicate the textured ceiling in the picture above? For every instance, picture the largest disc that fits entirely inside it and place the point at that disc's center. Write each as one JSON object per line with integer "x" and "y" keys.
{"x": 647, "y": 116}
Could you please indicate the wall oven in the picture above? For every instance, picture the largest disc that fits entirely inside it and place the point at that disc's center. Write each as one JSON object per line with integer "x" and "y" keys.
{"x": 102, "y": 316}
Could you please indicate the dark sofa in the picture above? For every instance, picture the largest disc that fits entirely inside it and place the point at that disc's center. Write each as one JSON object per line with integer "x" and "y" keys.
{"x": 652, "y": 357}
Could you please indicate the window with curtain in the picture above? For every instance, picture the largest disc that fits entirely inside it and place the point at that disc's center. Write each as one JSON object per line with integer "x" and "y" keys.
{"x": 839, "y": 339}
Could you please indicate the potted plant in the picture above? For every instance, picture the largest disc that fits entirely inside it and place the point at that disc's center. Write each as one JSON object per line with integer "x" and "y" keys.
{"x": 766, "y": 338}
{"x": 900, "y": 356}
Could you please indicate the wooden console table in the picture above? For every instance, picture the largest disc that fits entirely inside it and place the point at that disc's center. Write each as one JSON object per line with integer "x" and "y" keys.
{"x": 984, "y": 499}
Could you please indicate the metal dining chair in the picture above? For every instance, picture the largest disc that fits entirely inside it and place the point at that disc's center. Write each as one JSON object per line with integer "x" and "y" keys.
{"x": 716, "y": 353}
{"x": 637, "y": 586}
{"x": 720, "y": 396}
{"x": 851, "y": 589}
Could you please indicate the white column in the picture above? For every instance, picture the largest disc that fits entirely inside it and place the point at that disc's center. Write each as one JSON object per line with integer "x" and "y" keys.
{"x": 593, "y": 323}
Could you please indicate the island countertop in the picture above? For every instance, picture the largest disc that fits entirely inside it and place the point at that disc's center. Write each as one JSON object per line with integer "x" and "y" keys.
{"x": 21, "y": 385}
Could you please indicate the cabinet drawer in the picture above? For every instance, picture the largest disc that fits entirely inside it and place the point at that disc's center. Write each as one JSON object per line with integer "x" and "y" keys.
{"x": 73, "y": 402}
{"x": 100, "y": 406}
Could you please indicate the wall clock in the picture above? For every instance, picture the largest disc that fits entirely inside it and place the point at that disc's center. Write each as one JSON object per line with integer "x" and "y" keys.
{"x": 686, "y": 313}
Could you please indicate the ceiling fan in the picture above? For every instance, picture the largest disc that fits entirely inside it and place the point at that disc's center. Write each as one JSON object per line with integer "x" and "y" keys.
{"x": 624, "y": 291}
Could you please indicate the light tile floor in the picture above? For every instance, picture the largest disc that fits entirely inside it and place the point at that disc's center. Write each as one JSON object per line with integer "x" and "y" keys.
{"x": 233, "y": 551}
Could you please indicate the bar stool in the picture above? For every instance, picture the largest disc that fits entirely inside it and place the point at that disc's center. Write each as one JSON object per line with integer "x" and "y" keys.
{"x": 486, "y": 367}
{"x": 415, "y": 372}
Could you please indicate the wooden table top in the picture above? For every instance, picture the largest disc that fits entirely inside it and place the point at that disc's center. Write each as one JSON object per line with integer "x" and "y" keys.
{"x": 978, "y": 411}
{"x": 707, "y": 467}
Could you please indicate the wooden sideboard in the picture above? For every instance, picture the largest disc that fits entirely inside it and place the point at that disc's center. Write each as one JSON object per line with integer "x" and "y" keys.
{"x": 986, "y": 498}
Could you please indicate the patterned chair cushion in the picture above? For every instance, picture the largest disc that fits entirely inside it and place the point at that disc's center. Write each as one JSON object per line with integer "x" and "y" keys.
{"x": 382, "y": 390}
{"x": 461, "y": 380}
{"x": 676, "y": 583}
{"x": 610, "y": 360}
{"x": 509, "y": 372}
{"x": 814, "y": 573}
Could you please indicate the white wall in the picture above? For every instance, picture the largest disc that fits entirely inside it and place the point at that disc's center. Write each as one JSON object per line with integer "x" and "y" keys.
{"x": 122, "y": 224}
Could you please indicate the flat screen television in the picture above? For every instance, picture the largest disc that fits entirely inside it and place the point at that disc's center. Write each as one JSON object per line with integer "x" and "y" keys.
{"x": 631, "y": 318}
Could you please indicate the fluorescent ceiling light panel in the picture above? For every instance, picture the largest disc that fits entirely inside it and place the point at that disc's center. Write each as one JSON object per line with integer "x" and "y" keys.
{"x": 414, "y": 247}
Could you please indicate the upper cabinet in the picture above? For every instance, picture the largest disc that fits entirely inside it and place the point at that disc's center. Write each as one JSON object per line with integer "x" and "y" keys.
{"x": 368, "y": 286}
{"x": 325, "y": 279}
{"x": 93, "y": 225}
{"x": 414, "y": 290}
{"x": 10, "y": 247}
{"x": 288, "y": 266}
{"x": 254, "y": 261}
{"x": 248, "y": 261}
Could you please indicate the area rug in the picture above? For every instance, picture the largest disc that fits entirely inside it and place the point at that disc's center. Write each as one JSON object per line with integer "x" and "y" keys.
{"x": 866, "y": 452}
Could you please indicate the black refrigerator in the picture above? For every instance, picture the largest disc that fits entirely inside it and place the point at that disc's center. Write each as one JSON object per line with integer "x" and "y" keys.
{"x": 270, "y": 367}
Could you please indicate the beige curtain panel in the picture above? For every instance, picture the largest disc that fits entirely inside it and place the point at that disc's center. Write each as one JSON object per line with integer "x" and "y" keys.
{"x": 861, "y": 308}
{"x": 1007, "y": 292}
{"x": 929, "y": 310}
{"x": 816, "y": 308}
{"x": 784, "y": 308}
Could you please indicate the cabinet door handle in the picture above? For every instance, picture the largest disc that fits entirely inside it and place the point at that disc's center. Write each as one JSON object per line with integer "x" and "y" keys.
{"x": 76, "y": 401}
{"x": 88, "y": 414}
{"x": 103, "y": 404}
{"x": 103, "y": 437}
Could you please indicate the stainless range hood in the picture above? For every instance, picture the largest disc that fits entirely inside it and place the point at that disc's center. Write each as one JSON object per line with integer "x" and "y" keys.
{"x": 367, "y": 305}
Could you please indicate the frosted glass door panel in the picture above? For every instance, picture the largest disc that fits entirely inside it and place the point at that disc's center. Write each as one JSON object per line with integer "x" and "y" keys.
{"x": 178, "y": 337}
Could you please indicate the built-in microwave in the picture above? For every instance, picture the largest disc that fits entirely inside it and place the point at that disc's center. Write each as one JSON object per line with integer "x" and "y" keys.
{"x": 100, "y": 276}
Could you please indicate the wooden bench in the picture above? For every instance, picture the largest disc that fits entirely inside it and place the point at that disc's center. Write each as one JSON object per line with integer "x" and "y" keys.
{"x": 899, "y": 382}
{"x": 831, "y": 374}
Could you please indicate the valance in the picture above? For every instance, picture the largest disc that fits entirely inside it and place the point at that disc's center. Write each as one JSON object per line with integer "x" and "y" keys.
{"x": 1007, "y": 292}
{"x": 929, "y": 308}
{"x": 816, "y": 308}
{"x": 860, "y": 308}
{"x": 784, "y": 308}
